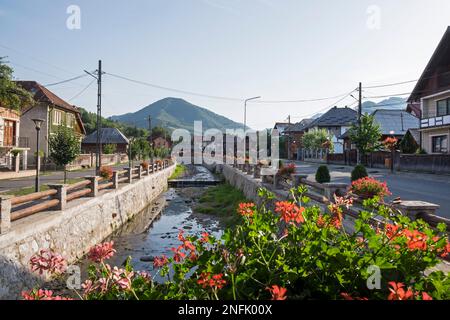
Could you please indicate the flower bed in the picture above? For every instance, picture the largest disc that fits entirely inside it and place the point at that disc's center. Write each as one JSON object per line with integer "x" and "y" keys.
{"x": 292, "y": 252}
{"x": 368, "y": 188}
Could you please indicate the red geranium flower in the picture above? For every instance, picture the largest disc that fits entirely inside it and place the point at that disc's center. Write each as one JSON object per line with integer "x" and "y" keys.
{"x": 48, "y": 261}
{"x": 246, "y": 209}
{"x": 102, "y": 252}
{"x": 398, "y": 292}
{"x": 214, "y": 281}
{"x": 278, "y": 293}
{"x": 290, "y": 212}
{"x": 159, "y": 262}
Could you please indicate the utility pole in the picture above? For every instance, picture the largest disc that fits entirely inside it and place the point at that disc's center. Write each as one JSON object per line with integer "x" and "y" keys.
{"x": 150, "y": 137}
{"x": 98, "y": 75}
{"x": 358, "y": 156}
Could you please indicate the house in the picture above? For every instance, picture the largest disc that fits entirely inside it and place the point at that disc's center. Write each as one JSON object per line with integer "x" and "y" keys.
{"x": 336, "y": 121}
{"x": 432, "y": 94}
{"x": 281, "y": 126}
{"x": 161, "y": 142}
{"x": 295, "y": 134}
{"x": 392, "y": 122}
{"x": 107, "y": 136}
{"x": 10, "y": 138}
{"x": 53, "y": 110}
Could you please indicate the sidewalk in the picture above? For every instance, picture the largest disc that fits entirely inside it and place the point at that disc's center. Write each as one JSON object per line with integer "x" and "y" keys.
{"x": 8, "y": 175}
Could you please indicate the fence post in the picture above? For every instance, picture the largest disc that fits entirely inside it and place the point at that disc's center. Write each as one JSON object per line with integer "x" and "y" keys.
{"x": 129, "y": 174}
{"x": 139, "y": 171}
{"x": 115, "y": 180}
{"x": 93, "y": 185}
{"x": 257, "y": 172}
{"x": 330, "y": 189}
{"x": 148, "y": 170}
{"x": 297, "y": 179}
{"x": 5, "y": 214}
{"x": 61, "y": 195}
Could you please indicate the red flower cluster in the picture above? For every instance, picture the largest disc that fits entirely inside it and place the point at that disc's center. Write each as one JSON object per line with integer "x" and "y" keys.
{"x": 205, "y": 237}
{"x": 290, "y": 212}
{"x": 102, "y": 252}
{"x": 106, "y": 172}
{"x": 41, "y": 295}
{"x": 370, "y": 187}
{"x": 278, "y": 293}
{"x": 186, "y": 245}
{"x": 416, "y": 240}
{"x": 212, "y": 281}
{"x": 390, "y": 143}
{"x": 160, "y": 262}
{"x": 246, "y": 209}
{"x": 48, "y": 261}
{"x": 398, "y": 292}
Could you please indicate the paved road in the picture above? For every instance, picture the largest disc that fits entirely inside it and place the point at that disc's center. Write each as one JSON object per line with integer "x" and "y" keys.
{"x": 408, "y": 186}
{"x": 53, "y": 177}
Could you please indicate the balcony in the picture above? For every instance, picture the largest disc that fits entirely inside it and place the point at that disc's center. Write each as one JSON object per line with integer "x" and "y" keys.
{"x": 435, "y": 122}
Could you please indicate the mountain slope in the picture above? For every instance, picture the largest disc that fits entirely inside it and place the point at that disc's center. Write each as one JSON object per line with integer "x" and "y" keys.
{"x": 174, "y": 113}
{"x": 396, "y": 103}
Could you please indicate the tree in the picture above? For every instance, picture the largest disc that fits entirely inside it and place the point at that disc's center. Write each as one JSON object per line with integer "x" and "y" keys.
{"x": 318, "y": 139}
{"x": 109, "y": 148}
{"x": 140, "y": 148}
{"x": 12, "y": 96}
{"x": 408, "y": 144}
{"x": 367, "y": 136}
{"x": 64, "y": 147}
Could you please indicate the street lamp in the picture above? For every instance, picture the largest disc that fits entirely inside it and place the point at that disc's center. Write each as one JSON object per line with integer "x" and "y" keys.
{"x": 38, "y": 124}
{"x": 245, "y": 109}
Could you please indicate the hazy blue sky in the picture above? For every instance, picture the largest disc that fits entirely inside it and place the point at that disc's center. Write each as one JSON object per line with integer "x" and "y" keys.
{"x": 279, "y": 49}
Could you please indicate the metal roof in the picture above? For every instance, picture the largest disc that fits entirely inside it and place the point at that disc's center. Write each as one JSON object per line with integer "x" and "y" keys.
{"x": 299, "y": 126}
{"x": 398, "y": 121}
{"x": 336, "y": 117}
{"x": 107, "y": 136}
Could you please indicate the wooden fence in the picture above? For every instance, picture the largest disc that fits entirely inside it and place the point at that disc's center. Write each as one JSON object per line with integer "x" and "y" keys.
{"x": 13, "y": 208}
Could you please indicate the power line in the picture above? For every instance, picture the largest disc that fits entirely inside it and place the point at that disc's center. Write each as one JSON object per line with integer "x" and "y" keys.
{"x": 390, "y": 84}
{"x": 65, "y": 81}
{"x": 82, "y": 91}
{"x": 389, "y": 95}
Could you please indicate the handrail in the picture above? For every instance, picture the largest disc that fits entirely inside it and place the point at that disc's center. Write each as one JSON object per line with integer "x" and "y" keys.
{"x": 78, "y": 194}
{"x": 16, "y": 215}
{"x": 78, "y": 185}
{"x": 31, "y": 197}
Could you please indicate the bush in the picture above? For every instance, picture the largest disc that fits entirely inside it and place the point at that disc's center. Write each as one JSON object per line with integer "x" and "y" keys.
{"x": 369, "y": 188}
{"x": 106, "y": 172}
{"x": 109, "y": 148}
{"x": 323, "y": 175}
{"x": 145, "y": 165}
{"x": 359, "y": 172}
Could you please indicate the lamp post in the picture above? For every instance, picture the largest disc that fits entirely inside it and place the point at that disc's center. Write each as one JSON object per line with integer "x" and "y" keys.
{"x": 245, "y": 109}
{"x": 38, "y": 124}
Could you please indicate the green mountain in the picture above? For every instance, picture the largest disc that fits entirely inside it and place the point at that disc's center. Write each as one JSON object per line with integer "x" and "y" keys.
{"x": 174, "y": 113}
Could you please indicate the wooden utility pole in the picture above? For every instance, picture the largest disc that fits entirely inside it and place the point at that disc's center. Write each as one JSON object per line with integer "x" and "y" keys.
{"x": 358, "y": 156}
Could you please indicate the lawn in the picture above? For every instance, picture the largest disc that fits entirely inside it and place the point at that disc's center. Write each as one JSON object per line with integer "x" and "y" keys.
{"x": 44, "y": 187}
{"x": 180, "y": 170}
{"x": 222, "y": 201}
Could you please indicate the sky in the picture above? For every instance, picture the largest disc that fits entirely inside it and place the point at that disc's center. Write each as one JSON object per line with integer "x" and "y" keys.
{"x": 281, "y": 50}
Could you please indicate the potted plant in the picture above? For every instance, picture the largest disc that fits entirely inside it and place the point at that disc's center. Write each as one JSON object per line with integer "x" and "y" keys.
{"x": 106, "y": 172}
{"x": 367, "y": 188}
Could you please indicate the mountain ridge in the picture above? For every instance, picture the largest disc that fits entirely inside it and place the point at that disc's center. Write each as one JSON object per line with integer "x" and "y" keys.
{"x": 175, "y": 113}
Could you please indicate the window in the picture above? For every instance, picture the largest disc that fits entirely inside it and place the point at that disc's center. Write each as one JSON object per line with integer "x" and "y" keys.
{"x": 439, "y": 144}
{"x": 57, "y": 117}
{"x": 443, "y": 107}
{"x": 70, "y": 120}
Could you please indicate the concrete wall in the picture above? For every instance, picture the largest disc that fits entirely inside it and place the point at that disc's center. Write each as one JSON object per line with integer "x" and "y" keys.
{"x": 72, "y": 232}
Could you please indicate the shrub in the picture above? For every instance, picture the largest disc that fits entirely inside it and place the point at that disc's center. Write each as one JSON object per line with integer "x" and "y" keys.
{"x": 106, "y": 172}
{"x": 295, "y": 252}
{"x": 323, "y": 175}
{"x": 359, "y": 172}
{"x": 369, "y": 188}
{"x": 109, "y": 148}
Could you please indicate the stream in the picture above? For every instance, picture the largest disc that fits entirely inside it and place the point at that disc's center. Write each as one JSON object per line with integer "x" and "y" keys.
{"x": 143, "y": 238}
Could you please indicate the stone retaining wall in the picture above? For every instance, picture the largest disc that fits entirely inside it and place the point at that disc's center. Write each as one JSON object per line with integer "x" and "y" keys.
{"x": 85, "y": 222}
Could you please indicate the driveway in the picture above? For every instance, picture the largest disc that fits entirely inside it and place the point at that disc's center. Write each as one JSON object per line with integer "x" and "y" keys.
{"x": 47, "y": 177}
{"x": 408, "y": 186}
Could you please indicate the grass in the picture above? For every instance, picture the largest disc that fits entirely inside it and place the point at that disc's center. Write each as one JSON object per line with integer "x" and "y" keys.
{"x": 222, "y": 201}
{"x": 44, "y": 187}
{"x": 179, "y": 171}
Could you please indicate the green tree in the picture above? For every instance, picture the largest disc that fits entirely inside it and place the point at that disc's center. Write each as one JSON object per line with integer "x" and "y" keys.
{"x": 140, "y": 149}
{"x": 64, "y": 147}
{"x": 367, "y": 136}
{"x": 408, "y": 144}
{"x": 12, "y": 96}
{"x": 109, "y": 148}
{"x": 318, "y": 139}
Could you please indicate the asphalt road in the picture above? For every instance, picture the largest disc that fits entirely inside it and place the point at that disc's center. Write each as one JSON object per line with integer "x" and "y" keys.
{"x": 50, "y": 177}
{"x": 408, "y": 186}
